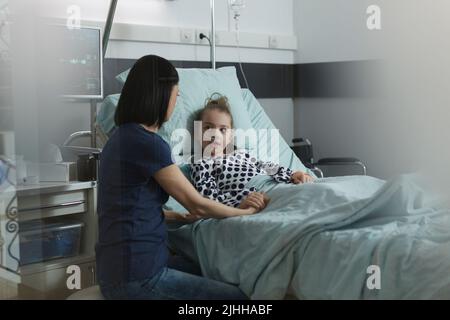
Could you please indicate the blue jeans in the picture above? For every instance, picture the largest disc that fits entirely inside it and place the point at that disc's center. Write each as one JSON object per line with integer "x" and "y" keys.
{"x": 181, "y": 280}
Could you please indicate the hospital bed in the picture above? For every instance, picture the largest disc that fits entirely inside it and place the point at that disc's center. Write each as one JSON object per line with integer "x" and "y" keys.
{"x": 338, "y": 238}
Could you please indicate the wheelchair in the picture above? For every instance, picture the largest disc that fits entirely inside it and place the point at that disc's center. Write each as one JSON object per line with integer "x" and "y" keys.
{"x": 303, "y": 148}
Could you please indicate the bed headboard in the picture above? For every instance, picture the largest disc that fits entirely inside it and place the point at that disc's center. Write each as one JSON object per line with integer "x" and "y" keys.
{"x": 308, "y": 80}
{"x": 277, "y": 80}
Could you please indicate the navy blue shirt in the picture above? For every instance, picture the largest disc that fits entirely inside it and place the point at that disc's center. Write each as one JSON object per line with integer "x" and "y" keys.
{"x": 132, "y": 233}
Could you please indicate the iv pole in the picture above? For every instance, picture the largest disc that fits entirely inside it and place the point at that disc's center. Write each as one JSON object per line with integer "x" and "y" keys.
{"x": 213, "y": 34}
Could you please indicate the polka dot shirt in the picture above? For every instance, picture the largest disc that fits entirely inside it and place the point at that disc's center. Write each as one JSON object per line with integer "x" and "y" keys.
{"x": 224, "y": 178}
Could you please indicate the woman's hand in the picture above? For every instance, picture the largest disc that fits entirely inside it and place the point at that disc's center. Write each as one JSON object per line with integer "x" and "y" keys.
{"x": 178, "y": 217}
{"x": 255, "y": 200}
{"x": 190, "y": 218}
{"x": 301, "y": 177}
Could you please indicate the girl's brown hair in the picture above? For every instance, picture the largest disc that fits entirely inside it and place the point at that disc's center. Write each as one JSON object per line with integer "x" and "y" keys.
{"x": 215, "y": 102}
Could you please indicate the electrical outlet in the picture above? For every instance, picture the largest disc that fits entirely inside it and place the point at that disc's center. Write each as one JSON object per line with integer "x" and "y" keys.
{"x": 204, "y": 40}
{"x": 273, "y": 42}
{"x": 208, "y": 34}
{"x": 187, "y": 36}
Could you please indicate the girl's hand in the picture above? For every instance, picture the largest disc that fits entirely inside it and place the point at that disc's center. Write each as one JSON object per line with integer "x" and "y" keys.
{"x": 256, "y": 200}
{"x": 301, "y": 177}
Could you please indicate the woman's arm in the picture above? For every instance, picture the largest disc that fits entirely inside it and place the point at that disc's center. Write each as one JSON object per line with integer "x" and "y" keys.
{"x": 172, "y": 216}
{"x": 173, "y": 181}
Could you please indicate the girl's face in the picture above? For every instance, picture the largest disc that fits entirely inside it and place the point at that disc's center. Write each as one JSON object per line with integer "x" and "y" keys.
{"x": 216, "y": 131}
{"x": 172, "y": 102}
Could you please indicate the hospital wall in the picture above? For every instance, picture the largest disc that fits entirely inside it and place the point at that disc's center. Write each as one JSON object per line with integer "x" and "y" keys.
{"x": 400, "y": 127}
{"x": 259, "y": 16}
{"x": 329, "y": 33}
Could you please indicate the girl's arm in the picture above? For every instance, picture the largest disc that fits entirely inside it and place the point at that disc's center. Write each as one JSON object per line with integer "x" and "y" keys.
{"x": 278, "y": 173}
{"x": 173, "y": 181}
{"x": 301, "y": 177}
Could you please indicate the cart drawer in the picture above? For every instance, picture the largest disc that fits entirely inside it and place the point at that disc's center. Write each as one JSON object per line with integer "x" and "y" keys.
{"x": 49, "y": 205}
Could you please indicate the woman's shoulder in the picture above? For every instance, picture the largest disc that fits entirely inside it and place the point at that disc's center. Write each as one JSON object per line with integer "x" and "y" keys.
{"x": 149, "y": 138}
{"x": 153, "y": 146}
{"x": 133, "y": 129}
{"x": 149, "y": 144}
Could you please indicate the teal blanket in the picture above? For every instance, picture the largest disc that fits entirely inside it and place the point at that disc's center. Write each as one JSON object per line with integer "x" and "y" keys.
{"x": 318, "y": 240}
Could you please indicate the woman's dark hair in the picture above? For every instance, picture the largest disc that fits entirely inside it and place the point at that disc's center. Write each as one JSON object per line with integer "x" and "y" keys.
{"x": 215, "y": 102}
{"x": 146, "y": 93}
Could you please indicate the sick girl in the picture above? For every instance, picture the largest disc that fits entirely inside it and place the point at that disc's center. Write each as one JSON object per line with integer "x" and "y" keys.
{"x": 223, "y": 171}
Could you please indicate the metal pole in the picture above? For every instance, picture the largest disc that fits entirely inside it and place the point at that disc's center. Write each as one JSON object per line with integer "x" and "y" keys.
{"x": 106, "y": 34}
{"x": 213, "y": 35}
{"x": 108, "y": 25}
